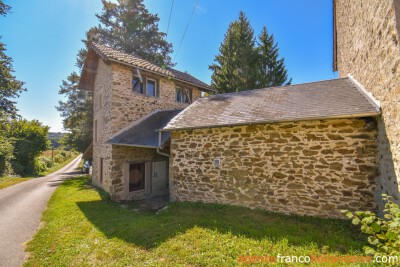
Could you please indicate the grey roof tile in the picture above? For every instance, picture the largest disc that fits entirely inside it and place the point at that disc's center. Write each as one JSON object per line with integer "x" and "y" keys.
{"x": 317, "y": 100}
{"x": 143, "y": 133}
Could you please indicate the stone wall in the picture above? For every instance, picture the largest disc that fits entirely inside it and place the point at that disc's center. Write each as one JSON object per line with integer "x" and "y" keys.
{"x": 368, "y": 48}
{"x": 116, "y": 106}
{"x": 121, "y": 157}
{"x": 102, "y": 96}
{"x": 307, "y": 168}
{"x": 129, "y": 106}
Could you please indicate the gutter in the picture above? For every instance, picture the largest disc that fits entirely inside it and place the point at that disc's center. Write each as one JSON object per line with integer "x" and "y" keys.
{"x": 122, "y": 144}
{"x": 159, "y": 146}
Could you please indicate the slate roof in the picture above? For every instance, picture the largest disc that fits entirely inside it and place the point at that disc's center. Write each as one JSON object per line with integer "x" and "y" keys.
{"x": 339, "y": 98}
{"x": 143, "y": 132}
{"x": 110, "y": 54}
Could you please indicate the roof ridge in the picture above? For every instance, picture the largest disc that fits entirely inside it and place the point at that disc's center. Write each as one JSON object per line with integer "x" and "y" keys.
{"x": 275, "y": 87}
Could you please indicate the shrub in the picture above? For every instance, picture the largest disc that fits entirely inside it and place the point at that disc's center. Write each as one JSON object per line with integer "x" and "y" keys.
{"x": 42, "y": 164}
{"x": 383, "y": 234}
{"x": 30, "y": 141}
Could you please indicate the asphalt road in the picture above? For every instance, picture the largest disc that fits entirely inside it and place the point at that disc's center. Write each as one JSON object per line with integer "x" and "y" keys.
{"x": 21, "y": 208}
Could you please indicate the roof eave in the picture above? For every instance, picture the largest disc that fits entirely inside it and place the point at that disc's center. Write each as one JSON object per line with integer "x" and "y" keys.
{"x": 360, "y": 115}
{"x": 131, "y": 145}
{"x": 202, "y": 88}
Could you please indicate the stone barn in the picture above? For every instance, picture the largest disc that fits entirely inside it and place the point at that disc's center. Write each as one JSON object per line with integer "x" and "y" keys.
{"x": 307, "y": 149}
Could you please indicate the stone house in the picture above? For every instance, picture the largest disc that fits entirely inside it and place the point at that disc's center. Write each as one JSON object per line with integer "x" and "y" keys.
{"x": 308, "y": 149}
{"x": 133, "y": 97}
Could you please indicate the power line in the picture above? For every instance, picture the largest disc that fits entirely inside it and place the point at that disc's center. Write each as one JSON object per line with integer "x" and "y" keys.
{"x": 187, "y": 26}
{"x": 170, "y": 14}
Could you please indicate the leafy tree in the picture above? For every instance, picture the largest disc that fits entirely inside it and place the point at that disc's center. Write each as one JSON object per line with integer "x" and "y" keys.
{"x": 233, "y": 69}
{"x": 77, "y": 112}
{"x": 6, "y": 150}
{"x": 272, "y": 71}
{"x": 30, "y": 140}
{"x": 243, "y": 63}
{"x": 127, "y": 26}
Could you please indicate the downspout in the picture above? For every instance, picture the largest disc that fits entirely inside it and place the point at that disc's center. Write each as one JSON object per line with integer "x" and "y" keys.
{"x": 159, "y": 146}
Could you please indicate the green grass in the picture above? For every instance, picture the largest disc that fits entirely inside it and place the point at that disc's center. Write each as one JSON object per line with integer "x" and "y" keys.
{"x": 12, "y": 180}
{"x": 82, "y": 227}
{"x": 9, "y": 181}
{"x": 60, "y": 165}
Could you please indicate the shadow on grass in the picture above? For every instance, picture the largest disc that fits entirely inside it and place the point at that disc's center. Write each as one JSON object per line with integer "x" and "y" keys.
{"x": 149, "y": 229}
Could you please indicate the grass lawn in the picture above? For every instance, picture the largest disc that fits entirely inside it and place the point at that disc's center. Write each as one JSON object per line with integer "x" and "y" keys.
{"x": 12, "y": 180}
{"x": 82, "y": 227}
{"x": 9, "y": 181}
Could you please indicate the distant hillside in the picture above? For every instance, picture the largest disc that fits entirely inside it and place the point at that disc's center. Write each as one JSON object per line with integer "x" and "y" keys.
{"x": 55, "y": 138}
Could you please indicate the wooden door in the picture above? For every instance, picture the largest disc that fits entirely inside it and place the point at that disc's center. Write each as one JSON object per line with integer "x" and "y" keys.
{"x": 159, "y": 178}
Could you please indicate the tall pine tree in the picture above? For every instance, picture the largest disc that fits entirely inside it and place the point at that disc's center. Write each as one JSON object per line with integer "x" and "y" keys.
{"x": 126, "y": 26}
{"x": 271, "y": 70}
{"x": 233, "y": 67}
{"x": 243, "y": 64}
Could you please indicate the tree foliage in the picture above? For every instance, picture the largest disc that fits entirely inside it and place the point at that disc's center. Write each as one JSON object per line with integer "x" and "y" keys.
{"x": 127, "y": 26}
{"x": 4, "y": 9}
{"x": 234, "y": 67}
{"x": 29, "y": 141}
{"x": 383, "y": 234}
{"x": 243, "y": 63}
{"x": 271, "y": 69}
{"x": 77, "y": 112}
{"x": 6, "y": 150}
{"x": 10, "y": 87}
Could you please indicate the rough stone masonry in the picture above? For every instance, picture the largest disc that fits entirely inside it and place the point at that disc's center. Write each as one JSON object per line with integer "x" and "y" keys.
{"x": 307, "y": 168}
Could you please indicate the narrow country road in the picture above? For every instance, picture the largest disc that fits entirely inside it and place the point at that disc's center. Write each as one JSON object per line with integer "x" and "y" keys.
{"x": 21, "y": 208}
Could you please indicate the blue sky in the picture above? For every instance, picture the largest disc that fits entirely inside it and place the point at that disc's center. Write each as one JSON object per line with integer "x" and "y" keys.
{"x": 43, "y": 37}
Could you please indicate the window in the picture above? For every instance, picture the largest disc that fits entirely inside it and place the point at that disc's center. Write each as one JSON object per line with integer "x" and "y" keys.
{"x": 179, "y": 94}
{"x": 151, "y": 87}
{"x": 136, "y": 176}
{"x": 101, "y": 170}
{"x": 183, "y": 95}
{"x": 137, "y": 85}
{"x": 95, "y": 130}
